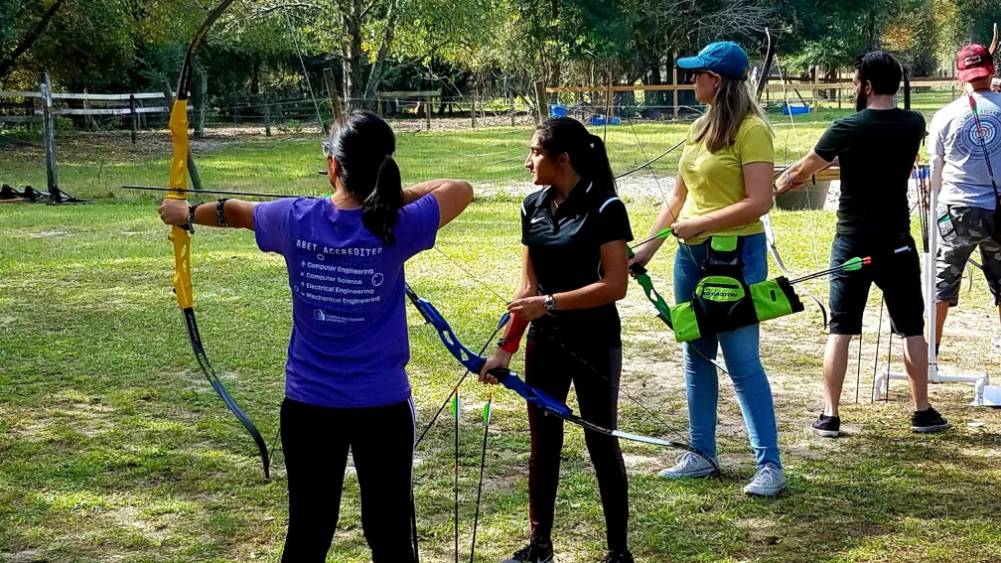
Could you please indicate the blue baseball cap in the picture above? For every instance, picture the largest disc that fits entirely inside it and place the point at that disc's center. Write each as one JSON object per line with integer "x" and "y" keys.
{"x": 725, "y": 58}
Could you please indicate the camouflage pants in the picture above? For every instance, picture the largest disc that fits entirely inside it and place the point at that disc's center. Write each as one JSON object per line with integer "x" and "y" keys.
{"x": 960, "y": 231}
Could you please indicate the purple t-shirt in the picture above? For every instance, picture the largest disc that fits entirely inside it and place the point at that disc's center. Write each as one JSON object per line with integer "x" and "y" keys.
{"x": 349, "y": 345}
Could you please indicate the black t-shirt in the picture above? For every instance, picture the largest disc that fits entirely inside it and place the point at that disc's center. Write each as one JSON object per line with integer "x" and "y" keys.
{"x": 876, "y": 151}
{"x": 565, "y": 250}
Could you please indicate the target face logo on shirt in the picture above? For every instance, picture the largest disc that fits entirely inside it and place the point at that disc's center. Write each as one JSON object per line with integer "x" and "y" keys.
{"x": 990, "y": 128}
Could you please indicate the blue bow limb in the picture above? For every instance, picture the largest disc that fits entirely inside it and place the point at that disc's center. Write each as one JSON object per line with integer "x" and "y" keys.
{"x": 532, "y": 396}
{"x": 469, "y": 359}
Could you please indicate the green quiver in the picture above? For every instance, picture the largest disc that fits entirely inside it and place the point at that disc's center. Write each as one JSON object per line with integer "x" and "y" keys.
{"x": 774, "y": 298}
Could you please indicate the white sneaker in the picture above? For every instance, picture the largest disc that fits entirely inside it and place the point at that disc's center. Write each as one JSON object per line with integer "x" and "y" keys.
{"x": 689, "y": 465}
{"x": 768, "y": 481}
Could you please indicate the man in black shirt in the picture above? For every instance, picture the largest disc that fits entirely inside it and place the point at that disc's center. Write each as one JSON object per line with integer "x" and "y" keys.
{"x": 876, "y": 148}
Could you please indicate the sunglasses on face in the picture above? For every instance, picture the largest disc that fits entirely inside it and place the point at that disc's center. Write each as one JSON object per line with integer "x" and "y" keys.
{"x": 328, "y": 149}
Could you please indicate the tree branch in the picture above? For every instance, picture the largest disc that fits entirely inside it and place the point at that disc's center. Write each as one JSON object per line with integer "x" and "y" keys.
{"x": 7, "y": 63}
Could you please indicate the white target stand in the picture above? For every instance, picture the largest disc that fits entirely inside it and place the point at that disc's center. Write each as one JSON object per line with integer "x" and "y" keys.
{"x": 981, "y": 383}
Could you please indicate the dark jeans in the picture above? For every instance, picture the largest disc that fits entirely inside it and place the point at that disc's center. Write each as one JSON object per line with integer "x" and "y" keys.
{"x": 316, "y": 441}
{"x": 594, "y": 372}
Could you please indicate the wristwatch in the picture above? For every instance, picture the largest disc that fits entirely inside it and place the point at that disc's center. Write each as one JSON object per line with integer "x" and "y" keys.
{"x": 550, "y": 305}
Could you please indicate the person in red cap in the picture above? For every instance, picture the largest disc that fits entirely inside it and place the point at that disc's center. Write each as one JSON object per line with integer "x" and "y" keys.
{"x": 959, "y": 170}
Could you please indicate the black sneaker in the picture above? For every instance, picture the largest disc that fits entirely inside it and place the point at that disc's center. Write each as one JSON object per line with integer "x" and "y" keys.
{"x": 618, "y": 557}
{"x": 827, "y": 426}
{"x": 534, "y": 552}
{"x": 928, "y": 421}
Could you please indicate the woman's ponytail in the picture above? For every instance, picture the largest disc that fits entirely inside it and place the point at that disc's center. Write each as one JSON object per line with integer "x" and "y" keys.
{"x": 599, "y": 168}
{"x": 586, "y": 151}
{"x": 380, "y": 208}
{"x": 363, "y": 145}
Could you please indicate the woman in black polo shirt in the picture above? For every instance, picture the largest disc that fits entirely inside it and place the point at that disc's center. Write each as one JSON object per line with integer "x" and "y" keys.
{"x": 575, "y": 231}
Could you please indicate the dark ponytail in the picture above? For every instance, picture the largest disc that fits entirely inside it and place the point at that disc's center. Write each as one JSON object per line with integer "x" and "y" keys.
{"x": 363, "y": 145}
{"x": 586, "y": 151}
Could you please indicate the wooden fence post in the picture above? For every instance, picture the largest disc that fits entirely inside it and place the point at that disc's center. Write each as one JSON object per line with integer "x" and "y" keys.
{"x": 336, "y": 108}
{"x": 472, "y": 109}
{"x": 49, "y": 139}
{"x": 267, "y": 119}
{"x": 89, "y": 119}
{"x": 199, "y": 99}
{"x": 837, "y": 78}
{"x": 540, "y": 101}
{"x": 142, "y": 114}
{"x": 816, "y": 82}
{"x": 608, "y": 98}
{"x": 674, "y": 81}
{"x": 427, "y": 112}
{"x": 133, "y": 118}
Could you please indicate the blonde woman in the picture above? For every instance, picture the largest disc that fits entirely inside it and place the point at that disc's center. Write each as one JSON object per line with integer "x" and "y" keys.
{"x": 723, "y": 188}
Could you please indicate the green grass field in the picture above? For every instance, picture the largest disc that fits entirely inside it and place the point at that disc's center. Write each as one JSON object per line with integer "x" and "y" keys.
{"x": 113, "y": 447}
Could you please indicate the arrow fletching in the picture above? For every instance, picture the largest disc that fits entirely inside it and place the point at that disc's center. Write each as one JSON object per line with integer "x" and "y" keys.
{"x": 853, "y": 264}
{"x": 663, "y": 233}
{"x": 488, "y": 409}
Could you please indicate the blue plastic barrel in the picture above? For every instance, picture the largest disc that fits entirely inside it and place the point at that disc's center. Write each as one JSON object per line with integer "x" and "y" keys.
{"x": 598, "y": 119}
{"x": 794, "y": 110}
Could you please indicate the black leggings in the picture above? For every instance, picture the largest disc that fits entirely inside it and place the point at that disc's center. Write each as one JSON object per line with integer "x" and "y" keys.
{"x": 594, "y": 373}
{"x": 316, "y": 441}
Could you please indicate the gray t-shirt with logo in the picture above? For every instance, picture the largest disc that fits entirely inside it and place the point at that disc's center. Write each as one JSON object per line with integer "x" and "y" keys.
{"x": 953, "y": 136}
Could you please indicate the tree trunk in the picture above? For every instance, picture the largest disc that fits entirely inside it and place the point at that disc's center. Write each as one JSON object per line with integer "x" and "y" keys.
{"x": 353, "y": 83}
{"x": 654, "y": 98}
{"x": 375, "y": 75}
{"x": 255, "y": 78}
{"x": 557, "y": 70}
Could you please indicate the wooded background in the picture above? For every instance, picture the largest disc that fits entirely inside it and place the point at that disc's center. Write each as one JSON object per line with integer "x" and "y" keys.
{"x": 459, "y": 48}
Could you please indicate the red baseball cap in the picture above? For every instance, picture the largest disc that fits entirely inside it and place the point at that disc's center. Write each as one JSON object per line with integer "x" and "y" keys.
{"x": 974, "y": 61}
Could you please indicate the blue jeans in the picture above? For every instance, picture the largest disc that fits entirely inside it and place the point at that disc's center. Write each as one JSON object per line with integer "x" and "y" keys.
{"x": 741, "y": 355}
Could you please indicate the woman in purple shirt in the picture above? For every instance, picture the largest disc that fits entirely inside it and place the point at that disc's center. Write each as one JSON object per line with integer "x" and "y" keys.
{"x": 346, "y": 384}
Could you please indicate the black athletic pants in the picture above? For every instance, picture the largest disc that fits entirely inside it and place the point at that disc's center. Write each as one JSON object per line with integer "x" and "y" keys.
{"x": 594, "y": 372}
{"x": 316, "y": 442}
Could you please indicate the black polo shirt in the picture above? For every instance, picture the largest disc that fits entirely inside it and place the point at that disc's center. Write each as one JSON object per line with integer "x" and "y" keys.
{"x": 565, "y": 250}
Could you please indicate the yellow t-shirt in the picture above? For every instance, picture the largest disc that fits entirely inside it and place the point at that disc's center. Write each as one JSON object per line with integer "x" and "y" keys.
{"x": 715, "y": 181}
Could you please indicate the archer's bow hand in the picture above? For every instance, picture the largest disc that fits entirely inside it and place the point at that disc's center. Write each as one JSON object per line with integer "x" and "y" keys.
{"x": 500, "y": 359}
{"x": 174, "y": 212}
{"x": 639, "y": 260}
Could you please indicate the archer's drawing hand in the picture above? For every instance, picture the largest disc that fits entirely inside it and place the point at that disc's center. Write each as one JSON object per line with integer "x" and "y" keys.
{"x": 688, "y": 228}
{"x": 528, "y": 308}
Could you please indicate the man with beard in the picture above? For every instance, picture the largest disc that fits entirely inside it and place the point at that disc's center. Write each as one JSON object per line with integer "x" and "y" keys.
{"x": 876, "y": 148}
